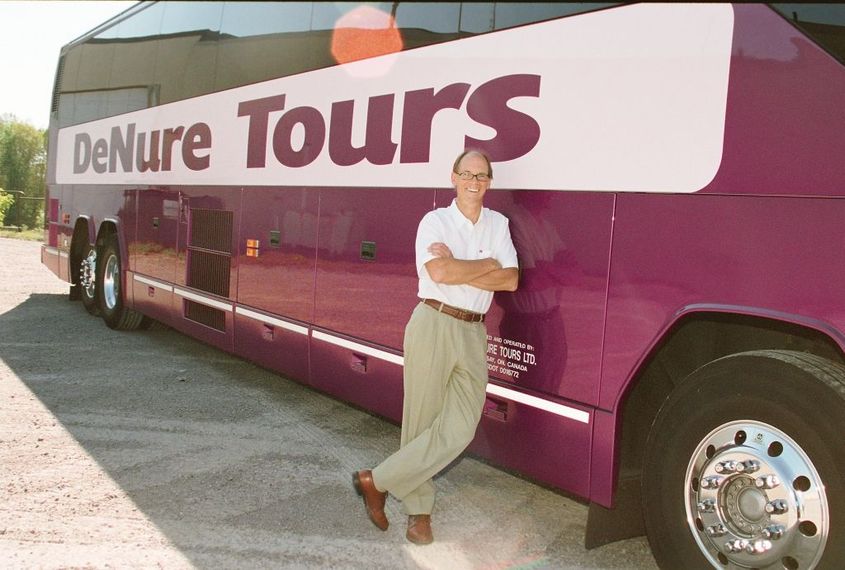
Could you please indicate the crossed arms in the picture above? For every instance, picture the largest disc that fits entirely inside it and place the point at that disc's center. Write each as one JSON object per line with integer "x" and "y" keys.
{"x": 486, "y": 274}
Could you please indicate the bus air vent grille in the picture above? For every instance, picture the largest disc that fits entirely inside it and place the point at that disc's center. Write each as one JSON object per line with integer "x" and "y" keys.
{"x": 210, "y": 251}
{"x": 209, "y": 272}
{"x": 211, "y": 230}
{"x": 209, "y": 316}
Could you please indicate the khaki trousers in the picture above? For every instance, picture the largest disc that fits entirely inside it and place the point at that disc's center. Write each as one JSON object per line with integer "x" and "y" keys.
{"x": 445, "y": 380}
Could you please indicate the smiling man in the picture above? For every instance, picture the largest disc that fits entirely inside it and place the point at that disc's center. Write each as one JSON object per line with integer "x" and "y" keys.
{"x": 464, "y": 253}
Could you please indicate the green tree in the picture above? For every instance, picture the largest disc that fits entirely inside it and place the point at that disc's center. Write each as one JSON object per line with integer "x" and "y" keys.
{"x": 23, "y": 166}
{"x": 6, "y": 201}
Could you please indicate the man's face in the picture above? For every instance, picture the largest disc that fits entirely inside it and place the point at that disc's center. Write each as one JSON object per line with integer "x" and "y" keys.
{"x": 471, "y": 191}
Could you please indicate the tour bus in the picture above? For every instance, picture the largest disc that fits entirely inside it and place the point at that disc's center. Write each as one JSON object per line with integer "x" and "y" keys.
{"x": 253, "y": 174}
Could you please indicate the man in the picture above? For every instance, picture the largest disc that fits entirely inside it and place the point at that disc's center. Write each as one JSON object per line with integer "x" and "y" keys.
{"x": 464, "y": 253}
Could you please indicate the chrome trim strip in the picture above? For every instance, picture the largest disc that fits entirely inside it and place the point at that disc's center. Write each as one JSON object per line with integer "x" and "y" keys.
{"x": 153, "y": 283}
{"x": 535, "y": 402}
{"x": 271, "y": 320}
{"x": 203, "y": 300}
{"x": 380, "y": 354}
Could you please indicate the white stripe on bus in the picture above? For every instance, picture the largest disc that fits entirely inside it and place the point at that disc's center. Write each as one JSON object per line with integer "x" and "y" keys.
{"x": 535, "y": 402}
{"x": 380, "y": 354}
{"x": 271, "y": 321}
{"x": 203, "y": 300}
{"x": 153, "y": 283}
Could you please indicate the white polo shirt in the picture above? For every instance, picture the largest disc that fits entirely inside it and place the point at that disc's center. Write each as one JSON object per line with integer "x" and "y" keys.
{"x": 489, "y": 237}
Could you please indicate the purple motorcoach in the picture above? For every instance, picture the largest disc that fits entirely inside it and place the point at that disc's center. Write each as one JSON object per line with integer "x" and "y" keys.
{"x": 252, "y": 175}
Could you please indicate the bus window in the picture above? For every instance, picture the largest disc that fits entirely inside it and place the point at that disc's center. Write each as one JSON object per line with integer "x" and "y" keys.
{"x": 510, "y": 14}
{"x": 264, "y": 40}
{"x": 825, "y": 23}
{"x": 187, "y": 53}
{"x": 477, "y": 17}
{"x": 245, "y": 19}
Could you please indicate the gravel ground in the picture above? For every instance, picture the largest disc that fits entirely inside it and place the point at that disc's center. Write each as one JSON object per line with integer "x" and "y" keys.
{"x": 151, "y": 450}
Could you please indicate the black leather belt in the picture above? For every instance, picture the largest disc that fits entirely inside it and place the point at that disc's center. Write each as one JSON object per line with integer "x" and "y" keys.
{"x": 459, "y": 314}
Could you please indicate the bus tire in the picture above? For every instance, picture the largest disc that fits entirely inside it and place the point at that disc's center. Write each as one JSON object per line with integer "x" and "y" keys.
{"x": 87, "y": 283}
{"x": 110, "y": 294}
{"x": 744, "y": 466}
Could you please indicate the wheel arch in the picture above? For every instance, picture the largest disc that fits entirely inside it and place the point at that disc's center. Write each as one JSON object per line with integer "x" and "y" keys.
{"x": 112, "y": 227}
{"x": 83, "y": 235}
{"x": 697, "y": 334}
{"x": 700, "y": 334}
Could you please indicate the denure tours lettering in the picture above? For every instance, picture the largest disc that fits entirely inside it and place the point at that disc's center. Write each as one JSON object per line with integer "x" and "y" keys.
{"x": 300, "y": 134}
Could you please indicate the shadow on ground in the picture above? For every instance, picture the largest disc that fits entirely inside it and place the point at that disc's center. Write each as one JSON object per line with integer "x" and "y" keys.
{"x": 239, "y": 467}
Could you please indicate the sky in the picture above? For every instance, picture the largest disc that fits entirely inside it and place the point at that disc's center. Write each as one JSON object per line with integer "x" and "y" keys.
{"x": 33, "y": 33}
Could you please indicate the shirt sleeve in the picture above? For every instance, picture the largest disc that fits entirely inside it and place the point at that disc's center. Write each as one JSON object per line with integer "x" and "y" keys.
{"x": 506, "y": 252}
{"x": 428, "y": 232}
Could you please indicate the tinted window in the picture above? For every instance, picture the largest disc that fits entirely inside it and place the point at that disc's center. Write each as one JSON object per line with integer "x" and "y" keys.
{"x": 187, "y": 53}
{"x": 824, "y": 23}
{"x": 143, "y": 24}
{"x": 264, "y": 40}
{"x": 477, "y": 17}
{"x": 135, "y": 40}
{"x": 169, "y": 51}
{"x": 442, "y": 20}
{"x": 243, "y": 19}
{"x": 509, "y": 14}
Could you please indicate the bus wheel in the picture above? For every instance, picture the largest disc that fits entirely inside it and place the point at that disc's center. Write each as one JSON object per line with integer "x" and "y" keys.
{"x": 744, "y": 466}
{"x": 88, "y": 279}
{"x": 110, "y": 292}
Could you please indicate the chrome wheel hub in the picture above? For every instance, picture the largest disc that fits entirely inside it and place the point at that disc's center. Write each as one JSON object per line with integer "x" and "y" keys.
{"x": 111, "y": 282}
{"x": 87, "y": 274}
{"x": 755, "y": 500}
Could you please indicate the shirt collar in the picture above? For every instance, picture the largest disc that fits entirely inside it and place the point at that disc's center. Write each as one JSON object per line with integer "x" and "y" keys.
{"x": 456, "y": 213}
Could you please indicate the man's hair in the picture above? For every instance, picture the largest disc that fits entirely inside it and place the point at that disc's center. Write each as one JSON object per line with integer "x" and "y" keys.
{"x": 473, "y": 151}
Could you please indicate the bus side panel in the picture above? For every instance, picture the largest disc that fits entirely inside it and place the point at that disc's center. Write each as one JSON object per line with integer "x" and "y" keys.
{"x": 541, "y": 444}
{"x": 365, "y": 290}
{"x": 205, "y": 272}
{"x": 276, "y": 253}
{"x": 152, "y": 254}
{"x": 785, "y": 111}
{"x": 546, "y": 336}
{"x": 674, "y": 251}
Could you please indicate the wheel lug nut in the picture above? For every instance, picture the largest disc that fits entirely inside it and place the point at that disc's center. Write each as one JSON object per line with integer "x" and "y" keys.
{"x": 777, "y": 507}
{"x": 758, "y": 547}
{"x": 707, "y": 506}
{"x": 716, "y": 530}
{"x": 767, "y": 482}
{"x": 712, "y": 482}
{"x": 774, "y": 531}
{"x": 737, "y": 545}
{"x": 750, "y": 465}
{"x": 728, "y": 467}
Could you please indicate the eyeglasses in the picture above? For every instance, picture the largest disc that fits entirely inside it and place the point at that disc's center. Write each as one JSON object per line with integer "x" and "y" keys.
{"x": 481, "y": 176}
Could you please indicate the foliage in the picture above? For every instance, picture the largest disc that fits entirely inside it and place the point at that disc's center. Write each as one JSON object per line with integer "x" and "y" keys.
{"x": 6, "y": 201}
{"x": 29, "y": 235}
{"x": 23, "y": 166}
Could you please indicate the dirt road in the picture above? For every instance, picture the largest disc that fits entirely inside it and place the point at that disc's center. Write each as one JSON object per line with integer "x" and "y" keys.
{"x": 150, "y": 450}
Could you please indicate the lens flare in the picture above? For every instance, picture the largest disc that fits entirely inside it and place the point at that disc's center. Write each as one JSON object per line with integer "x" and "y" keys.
{"x": 363, "y": 33}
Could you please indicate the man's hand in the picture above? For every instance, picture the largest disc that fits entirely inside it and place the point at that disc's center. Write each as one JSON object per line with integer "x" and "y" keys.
{"x": 440, "y": 249}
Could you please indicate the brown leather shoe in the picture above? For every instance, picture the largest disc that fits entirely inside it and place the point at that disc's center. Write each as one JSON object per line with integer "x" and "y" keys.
{"x": 419, "y": 529}
{"x": 373, "y": 498}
